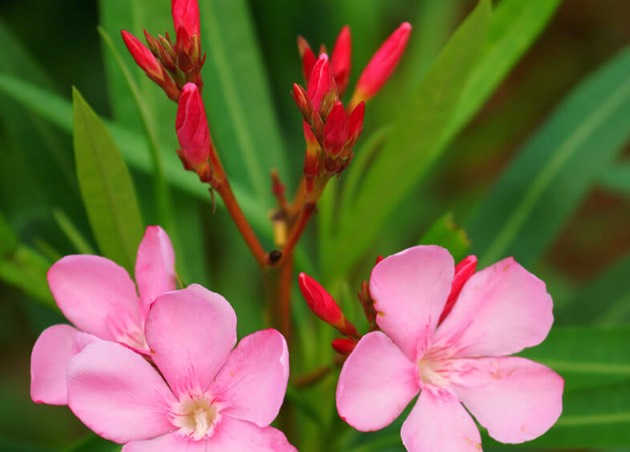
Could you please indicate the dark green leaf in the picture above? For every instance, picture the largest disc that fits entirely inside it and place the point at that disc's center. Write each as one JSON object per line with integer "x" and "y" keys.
{"x": 552, "y": 173}
{"x": 106, "y": 187}
{"x": 446, "y": 233}
{"x": 26, "y": 269}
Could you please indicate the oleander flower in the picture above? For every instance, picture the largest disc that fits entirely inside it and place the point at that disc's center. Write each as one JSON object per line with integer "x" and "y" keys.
{"x": 200, "y": 394}
{"x": 459, "y": 362}
{"x": 100, "y": 299}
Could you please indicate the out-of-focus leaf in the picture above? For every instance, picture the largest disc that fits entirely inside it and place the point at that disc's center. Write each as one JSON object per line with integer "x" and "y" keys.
{"x": 93, "y": 443}
{"x": 413, "y": 143}
{"x": 72, "y": 233}
{"x": 617, "y": 178}
{"x": 26, "y": 269}
{"x": 106, "y": 187}
{"x": 605, "y": 301}
{"x": 238, "y": 102}
{"x": 8, "y": 238}
{"x": 514, "y": 27}
{"x": 133, "y": 146}
{"x": 446, "y": 233}
{"x": 555, "y": 169}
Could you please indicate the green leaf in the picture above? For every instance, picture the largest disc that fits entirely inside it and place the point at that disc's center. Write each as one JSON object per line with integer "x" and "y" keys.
{"x": 446, "y": 233}
{"x": 514, "y": 27}
{"x": 106, "y": 187}
{"x": 133, "y": 146}
{"x": 93, "y": 443}
{"x": 555, "y": 169}
{"x": 244, "y": 123}
{"x": 72, "y": 233}
{"x": 414, "y": 142}
{"x": 617, "y": 178}
{"x": 26, "y": 269}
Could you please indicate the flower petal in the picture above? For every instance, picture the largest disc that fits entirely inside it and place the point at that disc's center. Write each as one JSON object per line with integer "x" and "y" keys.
{"x": 49, "y": 362}
{"x": 235, "y": 435}
{"x": 520, "y": 401}
{"x": 96, "y": 295}
{"x": 155, "y": 267}
{"x": 254, "y": 380}
{"x": 501, "y": 310}
{"x": 117, "y": 393}
{"x": 376, "y": 383}
{"x": 169, "y": 442}
{"x": 191, "y": 333}
{"x": 438, "y": 422}
{"x": 410, "y": 289}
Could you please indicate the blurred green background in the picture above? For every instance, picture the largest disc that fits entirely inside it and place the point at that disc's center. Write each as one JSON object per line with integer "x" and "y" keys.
{"x": 55, "y": 45}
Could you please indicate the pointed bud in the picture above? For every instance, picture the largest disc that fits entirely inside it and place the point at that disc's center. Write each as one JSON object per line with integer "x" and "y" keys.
{"x": 192, "y": 127}
{"x": 341, "y": 59}
{"x": 143, "y": 56}
{"x": 335, "y": 130}
{"x": 382, "y": 64}
{"x": 323, "y": 305}
{"x": 320, "y": 83}
{"x": 343, "y": 345}
{"x": 463, "y": 271}
{"x": 302, "y": 101}
{"x": 186, "y": 15}
{"x": 355, "y": 123}
{"x": 308, "y": 57}
{"x": 311, "y": 157}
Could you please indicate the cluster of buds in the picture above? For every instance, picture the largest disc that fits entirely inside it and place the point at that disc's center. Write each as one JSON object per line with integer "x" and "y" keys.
{"x": 172, "y": 64}
{"x": 324, "y": 306}
{"x": 330, "y": 128}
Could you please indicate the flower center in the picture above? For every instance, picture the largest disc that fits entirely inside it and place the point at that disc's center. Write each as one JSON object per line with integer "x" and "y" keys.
{"x": 195, "y": 417}
{"x": 432, "y": 372}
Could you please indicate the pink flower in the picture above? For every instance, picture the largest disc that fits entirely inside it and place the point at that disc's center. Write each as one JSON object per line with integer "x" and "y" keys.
{"x": 100, "y": 299}
{"x": 201, "y": 395}
{"x": 500, "y": 310}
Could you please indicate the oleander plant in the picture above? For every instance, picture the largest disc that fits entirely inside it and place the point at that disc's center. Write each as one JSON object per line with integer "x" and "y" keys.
{"x": 264, "y": 243}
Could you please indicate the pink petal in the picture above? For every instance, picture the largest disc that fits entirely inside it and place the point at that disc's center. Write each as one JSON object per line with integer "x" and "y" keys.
{"x": 376, "y": 383}
{"x": 49, "y": 361}
{"x": 501, "y": 310}
{"x": 191, "y": 333}
{"x": 438, "y": 422}
{"x": 155, "y": 267}
{"x": 254, "y": 380}
{"x": 410, "y": 289}
{"x": 97, "y": 296}
{"x": 235, "y": 435}
{"x": 520, "y": 401}
{"x": 169, "y": 442}
{"x": 117, "y": 394}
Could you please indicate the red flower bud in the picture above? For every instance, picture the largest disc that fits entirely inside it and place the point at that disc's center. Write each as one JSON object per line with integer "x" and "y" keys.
{"x": 308, "y": 57}
{"x": 302, "y": 101}
{"x": 382, "y": 64}
{"x": 343, "y": 345}
{"x": 320, "y": 83}
{"x": 355, "y": 123}
{"x": 335, "y": 130}
{"x": 192, "y": 127}
{"x": 463, "y": 271}
{"x": 323, "y": 305}
{"x": 143, "y": 56}
{"x": 341, "y": 59}
{"x": 186, "y": 15}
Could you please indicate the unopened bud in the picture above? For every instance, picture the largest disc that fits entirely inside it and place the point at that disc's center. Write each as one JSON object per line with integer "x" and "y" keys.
{"x": 323, "y": 305}
{"x": 303, "y": 103}
{"x": 341, "y": 59}
{"x": 463, "y": 271}
{"x": 307, "y": 56}
{"x": 382, "y": 64}
{"x": 185, "y": 15}
{"x": 355, "y": 123}
{"x": 335, "y": 130}
{"x": 192, "y": 126}
{"x": 343, "y": 345}
{"x": 320, "y": 83}
{"x": 143, "y": 56}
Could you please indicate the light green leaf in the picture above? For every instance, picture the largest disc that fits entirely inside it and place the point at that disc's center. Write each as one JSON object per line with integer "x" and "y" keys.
{"x": 106, "y": 187}
{"x": 26, "y": 269}
{"x": 552, "y": 173}
{"x": 72, "y": 233}
{"x": 414, "y": 141}
{"x": 446, "y": 233}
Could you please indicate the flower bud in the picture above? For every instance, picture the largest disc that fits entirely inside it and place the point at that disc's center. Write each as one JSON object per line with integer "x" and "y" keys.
{"x": 355, "y": 123}
{"x": 143, "y": 56}
{"x": 323, "y": 305}
{"x": 192, "y": 127}
{"x": 186, "y": 16}
{"x": 463, "y": 271}
{"x": 335, "y": 130}
{"x": 303, "y": 103}
{"x": 343, "y": 345}
{"x": 308, "y": 57}
{"x": 341, "y": 59}
{"x": 382, "y": 65}
{"x": 320, "y": 83}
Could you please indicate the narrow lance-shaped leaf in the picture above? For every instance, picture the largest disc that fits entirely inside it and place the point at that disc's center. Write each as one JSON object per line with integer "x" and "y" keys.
{"x": 553, "y": 172}
{"x": 106, "y": 187}
{"x": 413, "y": 143}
